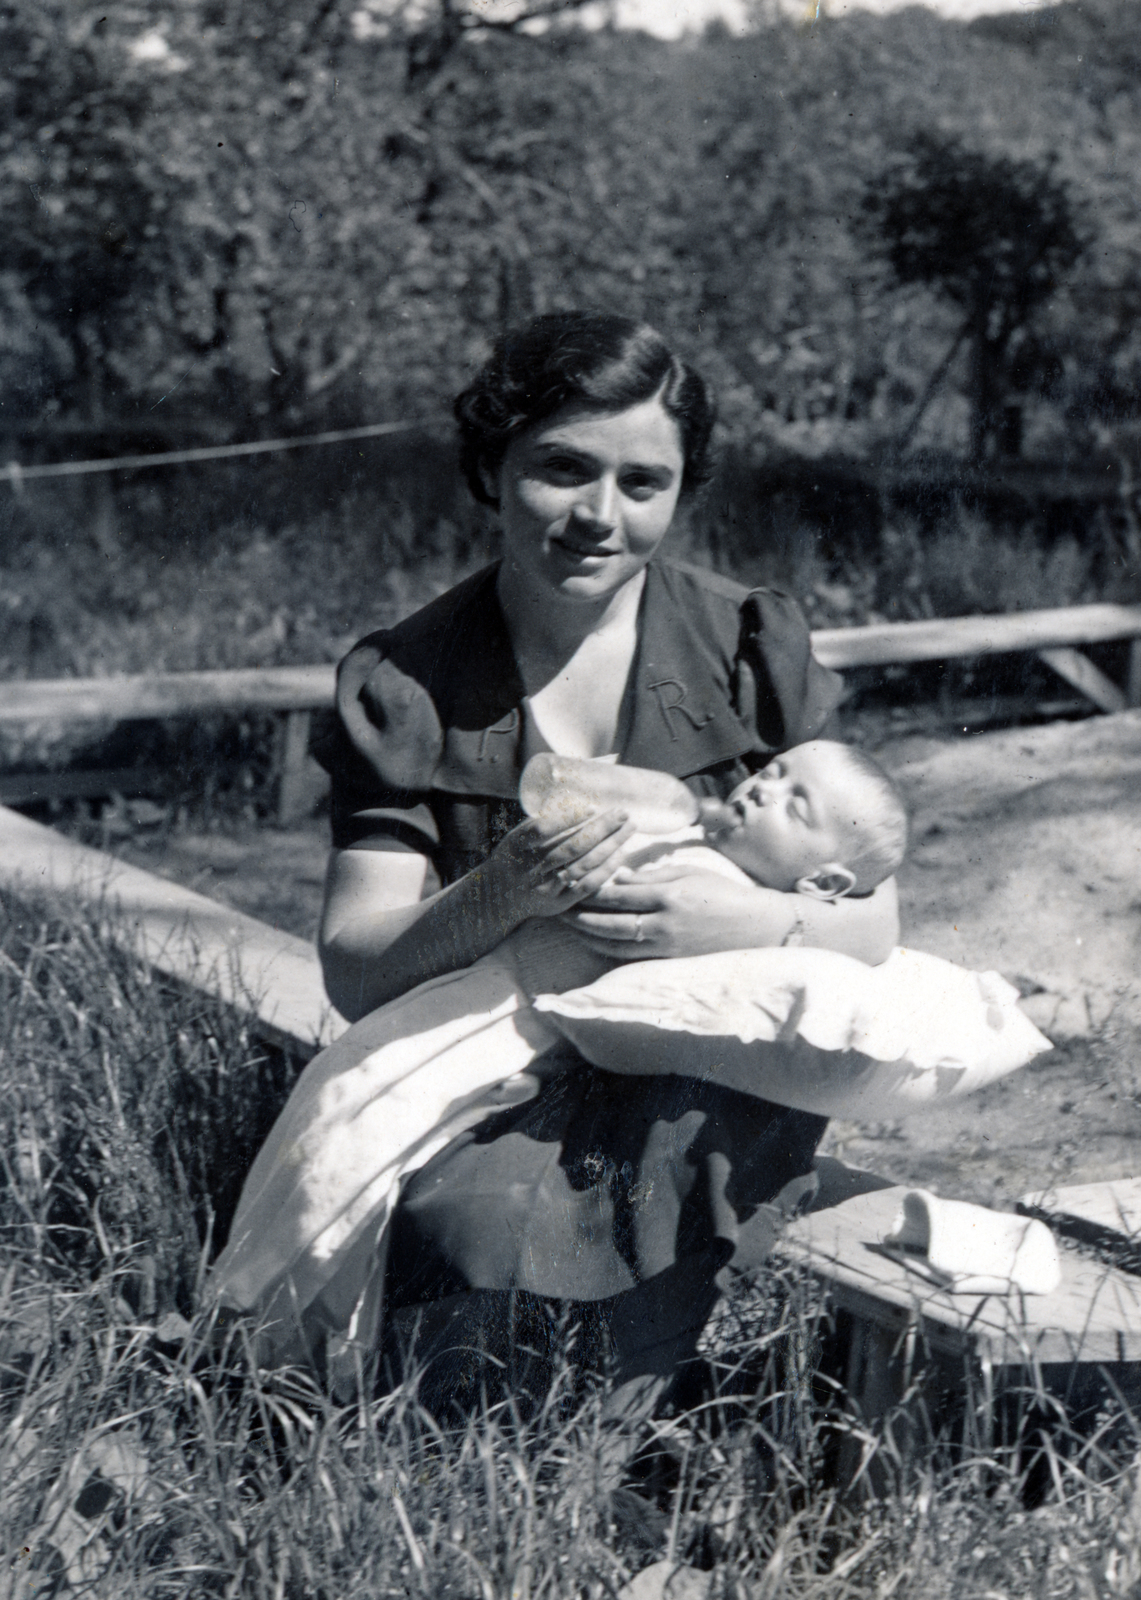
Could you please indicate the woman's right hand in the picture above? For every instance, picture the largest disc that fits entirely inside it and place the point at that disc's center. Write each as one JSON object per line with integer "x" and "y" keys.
{"x": 541, "y": 869}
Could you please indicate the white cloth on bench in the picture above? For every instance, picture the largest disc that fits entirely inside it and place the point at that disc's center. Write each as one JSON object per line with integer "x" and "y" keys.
{"x": 978, "y": 1251}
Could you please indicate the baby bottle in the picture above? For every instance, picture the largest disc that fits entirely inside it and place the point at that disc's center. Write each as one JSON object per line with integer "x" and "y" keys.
{"x": 568, "y": 789}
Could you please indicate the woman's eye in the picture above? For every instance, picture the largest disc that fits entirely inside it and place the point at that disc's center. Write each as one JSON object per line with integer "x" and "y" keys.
{"x": 640, "y": 488}
{"x": 562, "y": 469}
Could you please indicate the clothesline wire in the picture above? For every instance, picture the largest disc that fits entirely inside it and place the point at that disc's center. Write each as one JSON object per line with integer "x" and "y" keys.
{"x": 18, "y": 475}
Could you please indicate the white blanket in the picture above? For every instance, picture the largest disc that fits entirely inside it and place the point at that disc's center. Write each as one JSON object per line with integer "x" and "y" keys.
{"x": 305, "y": 1246}
{"x": 305, "y": 1251}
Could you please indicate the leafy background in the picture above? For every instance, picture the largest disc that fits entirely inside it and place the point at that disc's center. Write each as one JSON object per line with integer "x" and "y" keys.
{"x": 905, "y": 249}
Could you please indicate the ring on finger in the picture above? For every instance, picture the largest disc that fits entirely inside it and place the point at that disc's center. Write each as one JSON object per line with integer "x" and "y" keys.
{"x": 639, "y": 931}
{"x": 565, "y": 877}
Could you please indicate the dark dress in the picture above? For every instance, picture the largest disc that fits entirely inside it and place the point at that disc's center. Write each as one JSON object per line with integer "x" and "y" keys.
{"x": 615, "y": 1200}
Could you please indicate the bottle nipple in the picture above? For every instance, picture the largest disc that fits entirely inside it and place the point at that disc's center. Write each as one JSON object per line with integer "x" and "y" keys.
{"x": 717, "y": 816}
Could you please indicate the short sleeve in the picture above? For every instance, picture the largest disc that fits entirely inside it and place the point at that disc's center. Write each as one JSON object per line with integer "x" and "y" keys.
{"x": 779, "y": 687}
{"x": 381, "y": 750}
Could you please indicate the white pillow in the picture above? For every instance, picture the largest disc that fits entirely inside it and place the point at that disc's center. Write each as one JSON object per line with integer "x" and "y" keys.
{"x": 807, "y": 1028}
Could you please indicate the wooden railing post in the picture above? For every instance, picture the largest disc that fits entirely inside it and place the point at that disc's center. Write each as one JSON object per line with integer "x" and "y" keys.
{"x": 1079, "y": 671}
{"x": 1133, "y": 679}
{"x": 292, "y": 784}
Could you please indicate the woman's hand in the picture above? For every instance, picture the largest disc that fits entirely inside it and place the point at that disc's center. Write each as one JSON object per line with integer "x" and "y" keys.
{"x": 541, "y": 869}
{"x": 681, "y": 911}
{"x": 685, "y": 911}
{"x": 379, "y": 938}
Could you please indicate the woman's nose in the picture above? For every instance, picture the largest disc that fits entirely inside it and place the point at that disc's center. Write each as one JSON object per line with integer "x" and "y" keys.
{"x": 596, "y": 504}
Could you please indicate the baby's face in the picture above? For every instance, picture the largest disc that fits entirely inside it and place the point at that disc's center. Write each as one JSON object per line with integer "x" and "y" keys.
{"x": 798, "y": 814}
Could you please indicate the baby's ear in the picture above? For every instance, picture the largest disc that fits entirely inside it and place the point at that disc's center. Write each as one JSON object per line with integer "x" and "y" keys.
{"x": 829, "y": 882}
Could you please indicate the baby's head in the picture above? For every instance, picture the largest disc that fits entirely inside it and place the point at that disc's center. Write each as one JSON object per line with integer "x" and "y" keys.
{"x": 822, "y": 819}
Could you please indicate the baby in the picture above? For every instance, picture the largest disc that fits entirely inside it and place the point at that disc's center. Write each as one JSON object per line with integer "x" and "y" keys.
{"x": 305, "y": 1248}
{"x": 821, "y": 820}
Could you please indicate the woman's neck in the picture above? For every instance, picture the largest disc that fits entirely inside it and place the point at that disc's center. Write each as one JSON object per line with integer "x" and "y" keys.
{"x": 574, "y": 661}
{"x": 547, "y": 631}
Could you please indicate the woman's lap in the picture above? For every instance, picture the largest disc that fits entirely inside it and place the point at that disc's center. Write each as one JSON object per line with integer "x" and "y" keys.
{"x": 609, "y": 1204}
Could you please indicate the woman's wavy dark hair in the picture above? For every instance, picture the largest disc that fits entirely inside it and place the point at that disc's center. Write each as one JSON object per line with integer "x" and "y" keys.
{"x": 579, "y": 358}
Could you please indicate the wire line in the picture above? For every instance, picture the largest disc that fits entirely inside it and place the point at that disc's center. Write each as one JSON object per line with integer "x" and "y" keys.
{"x": 18, "y": 475}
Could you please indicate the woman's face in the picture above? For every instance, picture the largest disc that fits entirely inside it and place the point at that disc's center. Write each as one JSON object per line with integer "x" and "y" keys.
{"x": 586, "y": 497}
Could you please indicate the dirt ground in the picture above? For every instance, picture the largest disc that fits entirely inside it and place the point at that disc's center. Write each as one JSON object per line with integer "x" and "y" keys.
{"x": 1025, "y": 858}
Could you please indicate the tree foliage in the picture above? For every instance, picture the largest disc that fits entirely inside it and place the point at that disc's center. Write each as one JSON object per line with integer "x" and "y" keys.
{"x": 81, "y": 213}
{"x": 273, "y": 214}
{"x": 996, "y": 236}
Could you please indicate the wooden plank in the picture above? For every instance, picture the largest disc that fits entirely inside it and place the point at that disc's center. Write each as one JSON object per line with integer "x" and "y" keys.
{"x": 1079, "y": 671}
{"x": 1133, "y": 680}
{"x": 311, "y": 688}
{"x": 292, "y": 784}
{"x": 273, "y": 975}
{"x": 167, "y": 694}
{"x": 891, "y": 643}
{"x": 1094, "y": 1316}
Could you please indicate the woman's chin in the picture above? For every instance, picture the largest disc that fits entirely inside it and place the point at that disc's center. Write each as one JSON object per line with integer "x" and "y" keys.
{"x": 591, "y": 577}
{"x": 589, "y": 586}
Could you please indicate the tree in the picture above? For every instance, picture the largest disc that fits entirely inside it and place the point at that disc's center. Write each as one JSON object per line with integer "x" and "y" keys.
{"x": 284, "y": 214}
{"x": 296, "y": 217}
{"x": 995, "y": 235}
{"x": 81, "y": 210}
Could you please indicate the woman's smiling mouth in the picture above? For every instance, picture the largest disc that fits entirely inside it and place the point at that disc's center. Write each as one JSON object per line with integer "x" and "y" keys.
{"x": 582, "y": 551}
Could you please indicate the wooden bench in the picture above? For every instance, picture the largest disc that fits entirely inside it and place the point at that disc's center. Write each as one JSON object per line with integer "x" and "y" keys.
{"x": 273, "y": 976}
{"x": 296, "y": 692}
{"x": 908, "y": 1336}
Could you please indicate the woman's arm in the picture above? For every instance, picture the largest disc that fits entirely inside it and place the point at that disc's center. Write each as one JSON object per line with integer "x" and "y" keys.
{"x": 681, "y": 911}
{"x": 378, "y": 938}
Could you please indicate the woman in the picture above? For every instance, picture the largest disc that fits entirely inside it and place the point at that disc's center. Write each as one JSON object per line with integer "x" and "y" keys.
{"x": 614, "y": 1201}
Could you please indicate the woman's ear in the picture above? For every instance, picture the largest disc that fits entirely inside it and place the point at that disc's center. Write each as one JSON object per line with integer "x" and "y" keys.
{"x": 829, "y": 882}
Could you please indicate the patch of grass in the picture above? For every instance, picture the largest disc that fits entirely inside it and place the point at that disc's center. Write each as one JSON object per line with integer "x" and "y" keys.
{"x": 129, "y": 1111}
{"x": 140, "y": 1457}
{"x": 237, "y": 595}
{"x": 209, "y": 579}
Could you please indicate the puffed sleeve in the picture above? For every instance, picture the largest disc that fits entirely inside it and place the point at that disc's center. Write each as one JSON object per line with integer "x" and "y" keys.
{"x": 778, "y": 685}
{"x": 381, "y": 751}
